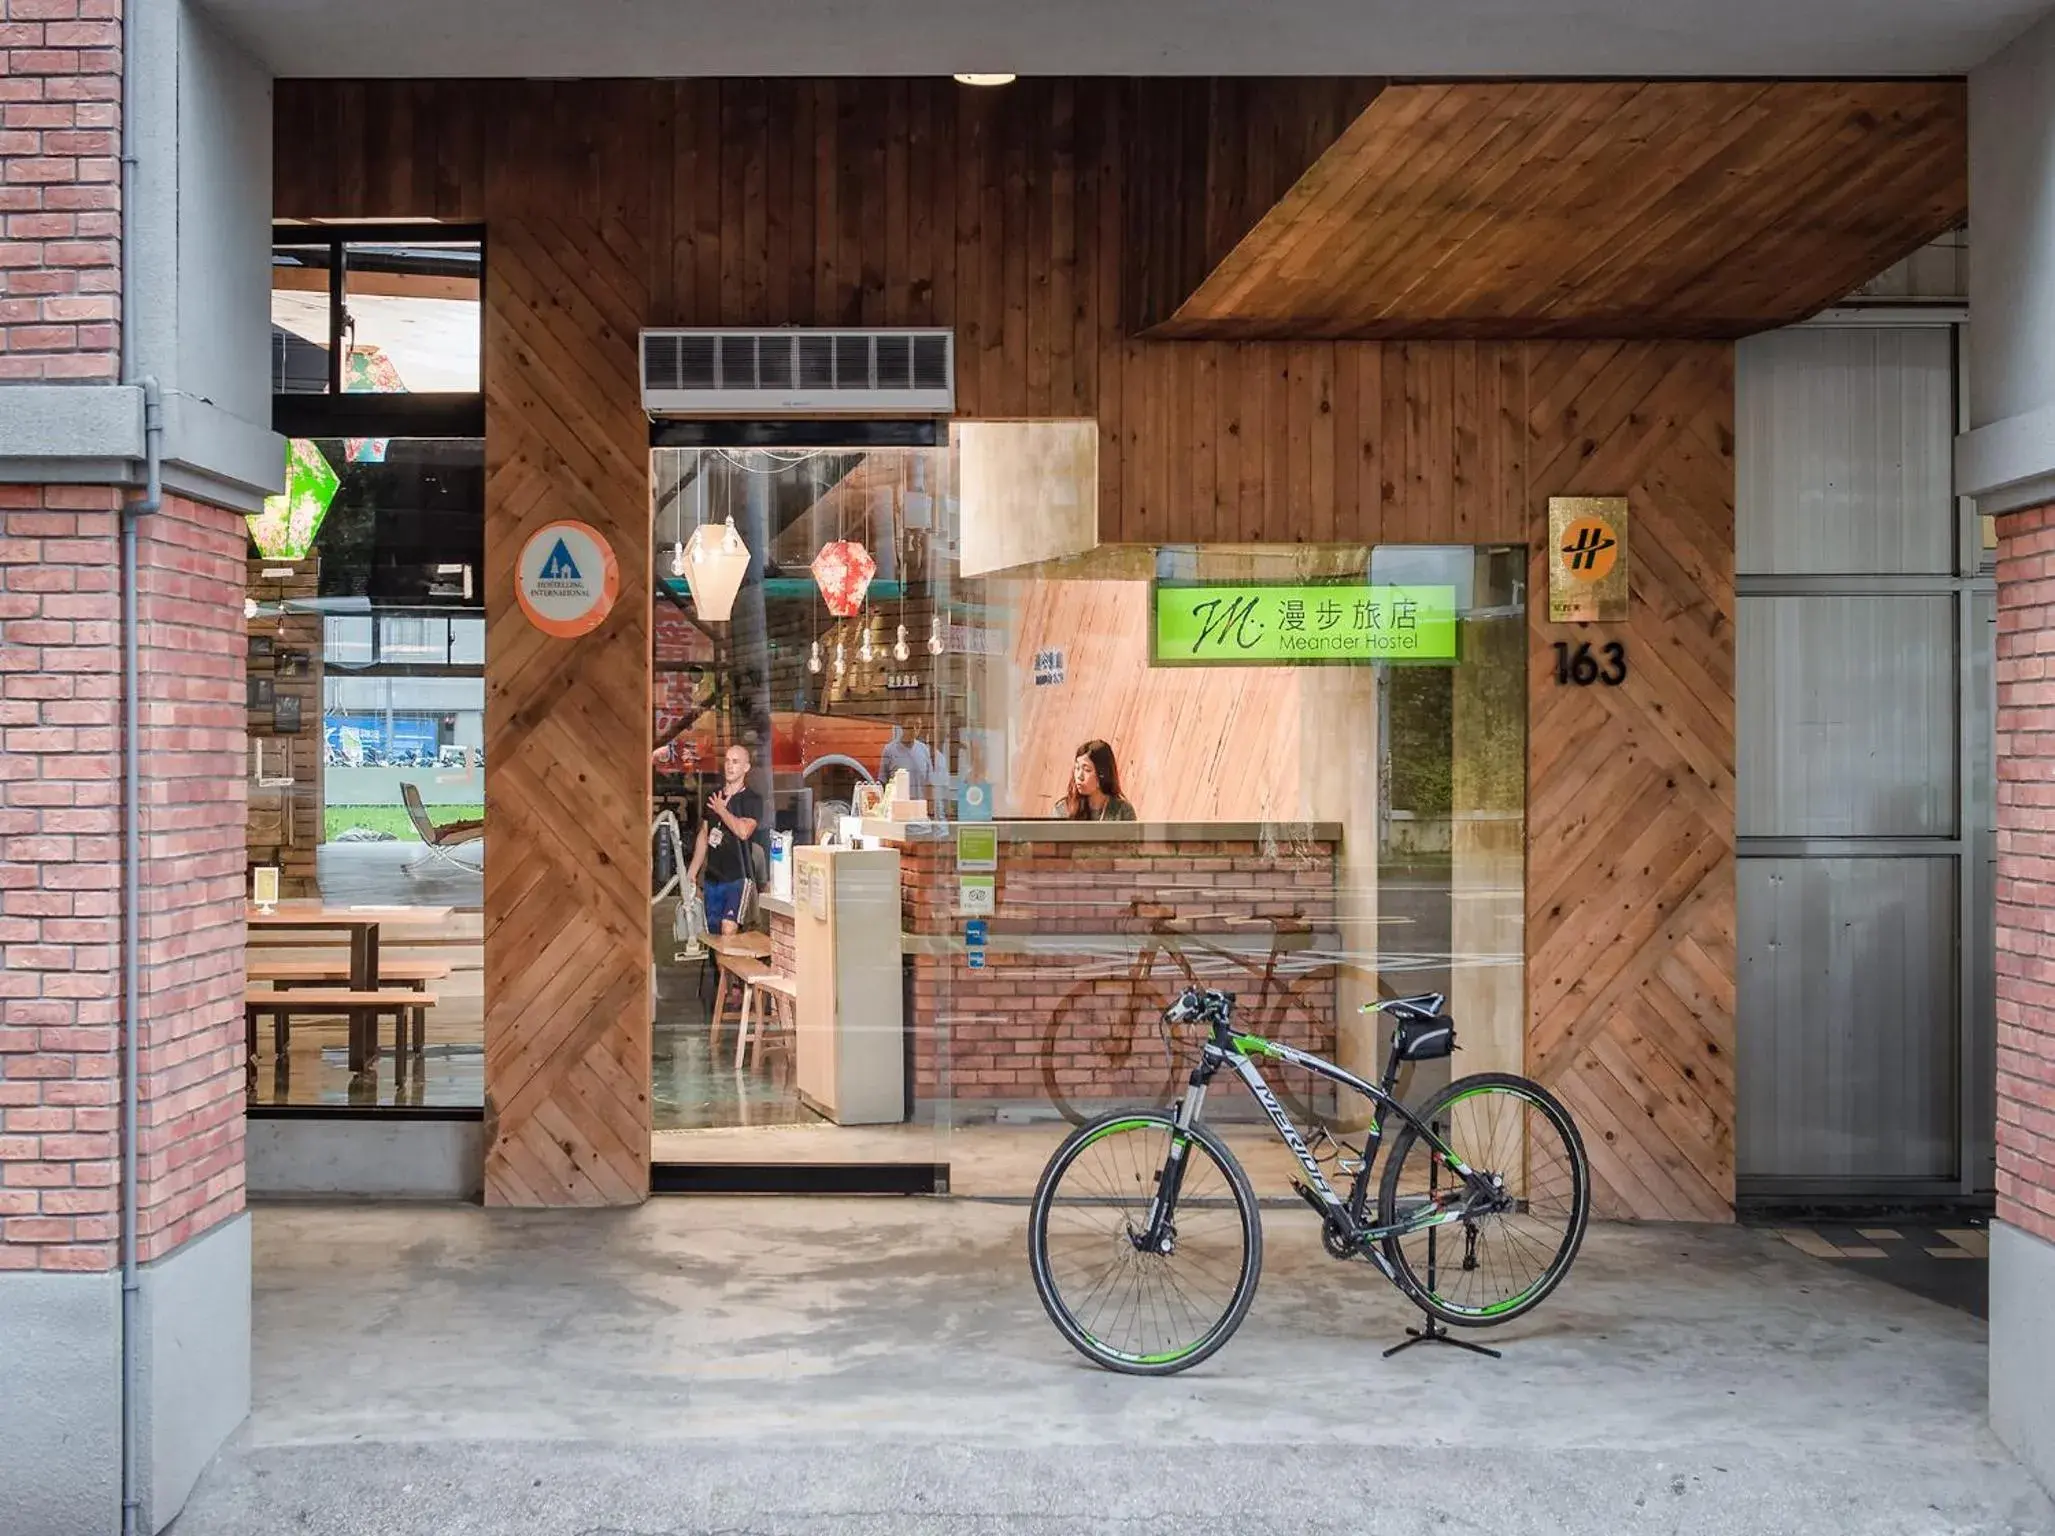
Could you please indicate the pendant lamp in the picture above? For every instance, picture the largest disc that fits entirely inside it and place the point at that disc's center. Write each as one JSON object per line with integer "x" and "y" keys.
{"x": 843, "y": 571}
{"x": 715, "y": 561}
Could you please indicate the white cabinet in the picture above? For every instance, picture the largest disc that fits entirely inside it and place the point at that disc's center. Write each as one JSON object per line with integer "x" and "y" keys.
{"x": 852, "y": 1043}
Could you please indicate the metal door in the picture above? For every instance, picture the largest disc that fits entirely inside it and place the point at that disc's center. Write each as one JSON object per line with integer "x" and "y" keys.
{"x": 1863, "y": 777}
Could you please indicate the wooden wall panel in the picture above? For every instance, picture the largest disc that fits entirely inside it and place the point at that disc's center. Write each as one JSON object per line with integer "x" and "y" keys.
{"x": 1630, "y": 791}
{"x": 568, "y": 722}
{"x": 1194, "y": 745}
{"x": 1686, "y": 208}
{"x": 1005, "y": 214}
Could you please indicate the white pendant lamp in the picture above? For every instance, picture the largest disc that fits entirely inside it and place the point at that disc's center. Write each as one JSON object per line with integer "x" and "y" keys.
{"x": 715, "y": 562}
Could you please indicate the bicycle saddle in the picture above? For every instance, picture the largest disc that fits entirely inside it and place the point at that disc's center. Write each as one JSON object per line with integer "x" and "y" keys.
{"x": 1424, "y": 1006}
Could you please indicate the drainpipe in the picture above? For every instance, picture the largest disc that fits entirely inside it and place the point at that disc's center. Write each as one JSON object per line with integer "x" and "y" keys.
{"x": 131, "y": 796}
{"x": 131, "y": 938}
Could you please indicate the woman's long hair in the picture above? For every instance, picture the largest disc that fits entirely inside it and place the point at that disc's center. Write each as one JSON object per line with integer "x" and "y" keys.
{"x": 1100, "y": 755}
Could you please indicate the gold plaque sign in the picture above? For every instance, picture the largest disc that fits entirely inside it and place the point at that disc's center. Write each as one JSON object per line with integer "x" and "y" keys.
{"x": 1587, "y": 559}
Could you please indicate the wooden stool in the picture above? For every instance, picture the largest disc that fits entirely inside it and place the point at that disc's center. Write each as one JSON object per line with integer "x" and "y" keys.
{"x": 772, "y": 993}
{"x": 736, "y": 957}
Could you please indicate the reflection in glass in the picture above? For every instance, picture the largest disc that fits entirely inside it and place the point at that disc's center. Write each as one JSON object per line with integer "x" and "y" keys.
{"x": 1312, "y": 834}
{"x": 367, "y": 697}
{"x": 299, "y": 319}
{"x": 413, "y": 318}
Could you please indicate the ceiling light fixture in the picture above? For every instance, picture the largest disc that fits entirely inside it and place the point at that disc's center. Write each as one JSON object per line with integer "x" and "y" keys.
{"x": 985, "y": 79}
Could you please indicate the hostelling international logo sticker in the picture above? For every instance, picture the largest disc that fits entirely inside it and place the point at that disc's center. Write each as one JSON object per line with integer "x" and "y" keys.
{"x": 567, "y": 579}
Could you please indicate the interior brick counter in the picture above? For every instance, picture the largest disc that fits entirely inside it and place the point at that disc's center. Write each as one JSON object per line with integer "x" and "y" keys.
{"x": 1057, "y": 1007}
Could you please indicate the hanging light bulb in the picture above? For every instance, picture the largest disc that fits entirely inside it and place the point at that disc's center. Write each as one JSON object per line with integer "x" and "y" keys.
{"x": 840, "y": 665}
{"x": 249, "y": 607}
{"x": 813, "y": 661}
{"x": 863, "y": 647}
{"x": 899, "y": 650}
{"x": 715, "y": 560}
{"x": 935, "y": 635}
{"x": 678, "y": 558}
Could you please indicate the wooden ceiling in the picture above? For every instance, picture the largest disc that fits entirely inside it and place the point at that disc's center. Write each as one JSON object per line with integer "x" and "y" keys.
{"x": 1594, "y": 209}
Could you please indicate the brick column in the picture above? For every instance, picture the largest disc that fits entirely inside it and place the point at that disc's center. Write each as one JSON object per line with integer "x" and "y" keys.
{"x": 61, "y": 1004}
{"x": 2026, "y": 871}
{"x": 60, "y": 876}
{"x": 60, "y": 926}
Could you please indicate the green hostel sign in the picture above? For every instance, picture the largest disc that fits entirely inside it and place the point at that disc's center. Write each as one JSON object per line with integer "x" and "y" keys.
{"x": 1258, "y": 624}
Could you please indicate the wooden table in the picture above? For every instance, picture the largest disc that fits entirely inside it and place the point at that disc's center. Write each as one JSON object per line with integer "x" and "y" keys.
{"x": 361, "y": 923}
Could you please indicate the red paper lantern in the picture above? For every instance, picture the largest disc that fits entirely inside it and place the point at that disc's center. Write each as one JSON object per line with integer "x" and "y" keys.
{"x": 843, "y": 571}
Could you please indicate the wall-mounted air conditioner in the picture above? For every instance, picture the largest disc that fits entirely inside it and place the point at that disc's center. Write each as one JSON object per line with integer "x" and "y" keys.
{"x": 798, "y": 373}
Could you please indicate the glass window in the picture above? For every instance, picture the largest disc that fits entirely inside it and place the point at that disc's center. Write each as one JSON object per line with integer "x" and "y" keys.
{"x": 412, "y": 318}
{"x": 367, "y": 713}
{"x": 410, "y": 321}
{"x": 1293, "y": 772}
{"x": 300, "y": 319}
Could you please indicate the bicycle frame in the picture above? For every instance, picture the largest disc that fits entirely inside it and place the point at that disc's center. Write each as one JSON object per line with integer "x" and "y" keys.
{"x": 1345, "y": 1216}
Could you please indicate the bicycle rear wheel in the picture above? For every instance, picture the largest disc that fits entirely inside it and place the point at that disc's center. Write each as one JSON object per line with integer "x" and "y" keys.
{"x": 1490, "y": 1270}
{"x": 1146, "y": 1314}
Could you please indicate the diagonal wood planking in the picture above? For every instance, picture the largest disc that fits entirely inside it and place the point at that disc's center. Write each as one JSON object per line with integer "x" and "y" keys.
{"x": 1685, "y": 208}
{"x": 567, "y": 949}
{"x": 1630, "y": 811}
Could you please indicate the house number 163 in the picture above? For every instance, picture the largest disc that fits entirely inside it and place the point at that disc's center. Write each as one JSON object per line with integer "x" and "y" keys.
{"x": 1576, "y": 666}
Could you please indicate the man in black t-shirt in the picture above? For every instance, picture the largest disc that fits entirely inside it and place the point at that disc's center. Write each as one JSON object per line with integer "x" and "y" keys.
{"x": 722, "y": 847}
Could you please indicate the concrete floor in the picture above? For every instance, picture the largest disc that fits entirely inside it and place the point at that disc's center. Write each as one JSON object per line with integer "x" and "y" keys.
{"x": 883, "y": 1366}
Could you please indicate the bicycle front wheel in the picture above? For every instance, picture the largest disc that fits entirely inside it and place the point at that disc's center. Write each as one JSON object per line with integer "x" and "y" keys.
{"x": 1475, "y": 1273}
{"x": 1144, "y": 1313}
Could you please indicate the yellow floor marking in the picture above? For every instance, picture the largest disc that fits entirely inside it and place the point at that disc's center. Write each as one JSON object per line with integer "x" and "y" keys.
{"x": 1809, "y": 1242}
{"x": 1969, "y": 1239}
{"x": 1876, "y": 1233}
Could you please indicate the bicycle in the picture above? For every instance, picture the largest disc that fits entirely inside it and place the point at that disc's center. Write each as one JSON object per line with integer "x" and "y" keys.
{"x": 1123, "y": 1051}
{"x": 1142, "y": 1218}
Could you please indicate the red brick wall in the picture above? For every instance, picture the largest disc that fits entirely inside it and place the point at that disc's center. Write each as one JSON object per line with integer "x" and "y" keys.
{"x": 60, "y": 875}
{"x": 1076, "y": 1014}
{"x": 2026, "y": 870}
{"x": 60, "y": 189}
{"x": 190, "y": 567}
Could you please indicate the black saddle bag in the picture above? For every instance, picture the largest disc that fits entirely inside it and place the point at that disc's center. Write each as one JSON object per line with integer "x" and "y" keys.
{"x": 1418, "y": 1039}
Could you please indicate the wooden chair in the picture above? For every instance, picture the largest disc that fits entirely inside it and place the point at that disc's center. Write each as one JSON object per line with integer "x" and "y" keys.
{"x": 770, "y": 995}
{"x": 437, "y": 841}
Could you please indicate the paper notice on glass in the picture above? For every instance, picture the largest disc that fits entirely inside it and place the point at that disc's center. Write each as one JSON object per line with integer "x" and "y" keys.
{"x": 978, "y": 894}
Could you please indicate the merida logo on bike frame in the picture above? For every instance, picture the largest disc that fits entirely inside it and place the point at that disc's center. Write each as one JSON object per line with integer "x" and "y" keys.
{"x": 1287, "y": 1130}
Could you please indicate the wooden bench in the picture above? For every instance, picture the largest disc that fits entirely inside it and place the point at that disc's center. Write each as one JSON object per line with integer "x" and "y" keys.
{"x": 773, "y": 992}
{"x": 295, "y": 974}
{"x": 332, "y": 973}
{"x": 362, "y": 1009}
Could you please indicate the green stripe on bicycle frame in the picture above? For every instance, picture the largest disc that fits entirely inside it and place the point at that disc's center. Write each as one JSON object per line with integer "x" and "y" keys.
{"x": 1511, "y": 1301}
{"x": 1254, "y": 1045}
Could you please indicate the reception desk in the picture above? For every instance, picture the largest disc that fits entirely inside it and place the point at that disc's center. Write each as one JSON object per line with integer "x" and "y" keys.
{"x": 1083, "y": 946}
